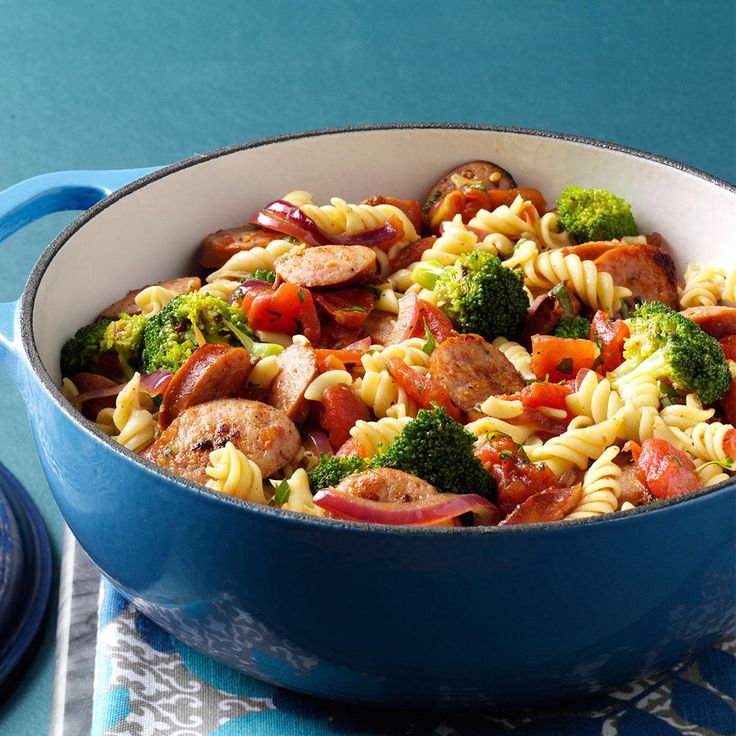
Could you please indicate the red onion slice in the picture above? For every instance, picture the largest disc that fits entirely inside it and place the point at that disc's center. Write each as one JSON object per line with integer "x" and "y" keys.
{"x": 406, "y": 319}
{"x": 361, "y": 345}
{"x": 156, "y": 383}
{"x": 321, "y": 442}
{"x": 426, "y": 511}
{"x": 97, "y": 393}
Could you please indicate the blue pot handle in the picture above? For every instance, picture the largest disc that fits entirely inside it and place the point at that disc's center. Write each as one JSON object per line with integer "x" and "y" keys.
{"x": 34, "y": 198}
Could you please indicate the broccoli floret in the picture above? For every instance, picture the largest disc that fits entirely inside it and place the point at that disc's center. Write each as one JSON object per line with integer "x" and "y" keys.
{"x": 575, "y": 327}
{"x": 173, "y": 334}
{"x": 440, "y": 450}
{"x": 123, "y": 335}
{"x": 80, "y": 352}
{"x": 261, "y": 274}
{"x": 331, "y": 470}
{"x": 595, "y": 214}
{"x": 478, "y": 294}
{"x": 669, "y": 346}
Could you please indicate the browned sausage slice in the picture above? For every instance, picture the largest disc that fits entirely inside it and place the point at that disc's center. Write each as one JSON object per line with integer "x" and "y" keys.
{"x": 717, "y": 321}
{"x": 217, "y": 248}
{"x": 264, "y": 434}
{"x": 127, "y": 304}
{"x": 380, "y": 326}
{"x": 647, "y": 270}
{"x": 327, "y": 265}
{"x": 93, "y": 382}
{"x": 490, "y": 175}
{"x": 298, "y": 365}
{"x": 472, "y": 369}
{"x": 387, "y": 485}
{"x": 553, "y": 504}
{"x": 210, "y": 372}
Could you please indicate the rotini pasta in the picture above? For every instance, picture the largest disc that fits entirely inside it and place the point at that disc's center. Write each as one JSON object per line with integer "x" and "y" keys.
{"x": 153, "y": 299}
{"x": 300, "y": 496}
{"x": 601, "y": 487}
{"x": 376, "y": 435}
{"x": 329, "y": 378}
{"x": 518, "y": 356}
{"x": 708, "y": 440}
{"x": 248, "y": 261}
{"x": 135, "y": 425}
{"x": 687, "y": 415}
{"x": 231, "y": 472}
{"x": 595, "y": 398}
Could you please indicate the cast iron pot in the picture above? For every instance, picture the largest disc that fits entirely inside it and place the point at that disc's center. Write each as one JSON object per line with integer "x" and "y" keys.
{"x": 440, "y": 618}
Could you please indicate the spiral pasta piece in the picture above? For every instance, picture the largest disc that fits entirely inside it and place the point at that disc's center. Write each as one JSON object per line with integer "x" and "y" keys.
{"x": 248, "y": 261}
{"x": 382, "y": 394}
{"x": 298, "y": 198}
{"x": 263, "y": 373}
{"x": 638, "y": 389}
{"x": 594, "y": 288}
{"x": 601, "y": 487}
{"x": 687, "y": 415}
{"x": 707, "y": 440}
{"x": 373, "y": 436}
{"x": 500, "y": 408}
{"x": 550, "y": 234}
{"x": 222, "y": 288}
{"x": 323, "y": 381}
{"x": 341, "y": 218}
{"x": 575, "y": 447}
{"x": 506, "y": 220}
{"x": 388, "y": 300}
{"x": 135, "y": 425}
{"x": 300, "y": 496}
{"x": 233, "y": 473}
{"x": 482, "y": 427}
{"x": 518, "y": 356}
{"x": 711, "y": 474}
{"x": 69, "y": 389}
{"x": 595, "y": 398}
{"x": 153, "y": 299}
{"x": 640, "y": 423}
{"x": 411, "y": 351}
{"x": 456, "y": 240}
{"x": 703, "y": 286}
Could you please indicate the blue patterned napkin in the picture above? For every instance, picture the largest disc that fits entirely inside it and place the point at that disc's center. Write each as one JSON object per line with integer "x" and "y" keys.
{"x": 149, "y": 683}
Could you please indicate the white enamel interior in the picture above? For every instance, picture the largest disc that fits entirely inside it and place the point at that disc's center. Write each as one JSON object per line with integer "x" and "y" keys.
{"x": 154, "y": 232}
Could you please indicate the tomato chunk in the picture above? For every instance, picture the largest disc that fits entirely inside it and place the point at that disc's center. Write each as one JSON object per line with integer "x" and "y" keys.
{"x": 517, "y": 479}
{"x": 666, "y": 471}
{"x": 560, "y": 358}
{"x": 411, "y": 253}
{"x": 422, "y": 390}
{"x": 340, "y": 410}
{"x": 611, "y": 334}
{"x": 553, "y": 395}
{"x": 437, "y": 322}
{"x": 289, "y": 309}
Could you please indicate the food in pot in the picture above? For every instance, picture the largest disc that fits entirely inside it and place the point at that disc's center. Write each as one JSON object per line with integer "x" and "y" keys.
{"x": 480, "y": 358}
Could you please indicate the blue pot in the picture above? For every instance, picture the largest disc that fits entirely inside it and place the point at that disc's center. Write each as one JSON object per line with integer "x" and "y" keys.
{"x": 440, "y": 618}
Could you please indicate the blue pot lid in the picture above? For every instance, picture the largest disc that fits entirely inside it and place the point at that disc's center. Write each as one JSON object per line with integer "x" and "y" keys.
{"x": 25, "y": 572}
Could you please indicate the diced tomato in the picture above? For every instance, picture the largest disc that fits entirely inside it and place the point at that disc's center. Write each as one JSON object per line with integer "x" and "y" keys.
{"x": 409, "y": 207}
{"x": 553, "y": 395}
{"x": 339, "y": 412}
{"x": 561, "y": 358}
{"x": 540, "y": 423}
{"x": 412, "y": 253}
{"x": 348, "y": 307}
{"x": 516, "y": 478}
{"x": 350, "y": 448}
{"x": 289, "y": 309}
{"x": 611, "y": 335}
{"x": 664, "y": 470}
{"x": 437, "y": 322}
{"x": 330, "y": 360}
{"x": 421, "y": 389}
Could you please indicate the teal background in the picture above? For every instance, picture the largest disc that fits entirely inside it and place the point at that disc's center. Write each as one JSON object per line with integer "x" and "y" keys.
{"x": 104, "y": 85}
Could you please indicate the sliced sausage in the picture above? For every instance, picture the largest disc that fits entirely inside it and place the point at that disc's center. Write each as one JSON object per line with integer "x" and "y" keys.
{"x": 217, "y": 248}
{"x": 127, "y": 304}
{"x": 591, "y": 250}
{"x": 93, "y": 382}
{"x": 647, "y": 270}
{"x": 327, "y": 265}
{"x": 554, "y": 504}
{"x": 542, "y": 318}
{"x": 472, "y": 369}
{"x": 210, "y": 372}
{"x": 380, "y": 326}
{"x": 717, "y": 321}
{"x": 410, "y": 207}
{"x": 262, "y": 433}
{"x": 387, "y": 485}
{"x": 298, "y": 365}
{"x": 490, "y": 175}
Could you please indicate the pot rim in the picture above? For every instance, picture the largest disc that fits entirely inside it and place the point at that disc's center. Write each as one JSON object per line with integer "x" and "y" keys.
{"x": 27, "y": 303}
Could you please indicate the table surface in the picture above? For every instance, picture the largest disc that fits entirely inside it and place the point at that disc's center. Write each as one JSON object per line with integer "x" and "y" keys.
{"x": 99, "y": 85}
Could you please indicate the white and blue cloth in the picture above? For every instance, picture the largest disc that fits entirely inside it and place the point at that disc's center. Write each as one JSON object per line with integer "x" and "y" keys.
{"x": 148, "y": 683}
